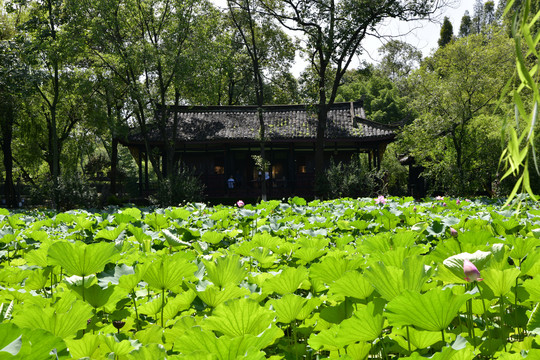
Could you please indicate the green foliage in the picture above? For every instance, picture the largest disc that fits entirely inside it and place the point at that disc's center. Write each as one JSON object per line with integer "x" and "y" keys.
{"x": 185, "y": 186}
{"x": 447, "y": 33}
{"x": 455, "y": 136}
{"x": 521, "y": 143}
{"x": 350, "y": 179}
{"x": 72, "y": 190}
{"x": 353, "y": 277}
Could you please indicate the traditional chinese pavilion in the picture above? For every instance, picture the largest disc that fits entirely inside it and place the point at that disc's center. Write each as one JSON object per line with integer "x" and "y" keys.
{"x": 219, "y": 142}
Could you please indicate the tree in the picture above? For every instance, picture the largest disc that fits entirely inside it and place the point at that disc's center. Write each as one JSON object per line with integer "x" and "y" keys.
{"x": 13, "y": 75}
{"x": 50, "y": 49}
{"x": 465, "y": 29}
{"x": 458, "y": 88}
{"x": 478, "y": 17}
{"x": 333, "y": 33}
{"x": 146, "y": 45}
{"x": 259, "y": 36}
{"x": 447, "y": 32}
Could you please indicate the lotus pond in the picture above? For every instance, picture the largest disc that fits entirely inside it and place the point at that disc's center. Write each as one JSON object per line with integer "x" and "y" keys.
{"x": 349, "y": 279}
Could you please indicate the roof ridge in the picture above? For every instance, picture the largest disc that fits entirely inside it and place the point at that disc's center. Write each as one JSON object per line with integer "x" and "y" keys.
{"x": 249, "y": 108}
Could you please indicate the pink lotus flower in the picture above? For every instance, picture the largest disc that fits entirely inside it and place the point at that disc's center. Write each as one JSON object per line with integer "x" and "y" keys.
{"x": 414, "y": 209}
{"x": 240, "y": 203}
{"x": 458, "y": 201}
{"x": 380, "y": 200}
{"x": 467, "y": 200}
{"x": 471, "y": 272}
{"x": 439, "y": 198}
{"x": 454, "y": 233}
{"x": 443, "y": 204}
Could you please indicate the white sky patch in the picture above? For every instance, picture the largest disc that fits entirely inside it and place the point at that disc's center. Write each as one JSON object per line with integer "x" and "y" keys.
{"x": 422, "y": 34}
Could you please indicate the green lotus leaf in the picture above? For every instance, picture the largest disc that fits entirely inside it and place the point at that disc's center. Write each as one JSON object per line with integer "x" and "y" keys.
{"x": 212, "y": 237}
{"x": 521, "y": 247}
{"x": 84, "y": 347}
{"x": 10, "y": 339}
{"x": 308, "y": 254}
{"x": 111, "y": 234}
{"x": 432, "y": 311}
{"x": 329, "y": 339}
{"x": 152, "y": 351}
{"x": 239, "y": 317}
{"x": 288, "y": 307}
{"x": 264, "y": 257}
{"x": 533, "y": 288}
{"x": 213, "y": 295}
{"x": 38, "y": 257}
{"x": 310, "y": 305}
{"x": 38, "y": 279}
{"x": 156, "y": 221}
{"x": 352, "y": 284}
{"x": 97, "y": 296}
{"x": 202, "y": 343}
{"x": 534, "y": 321}
{"x": 152, "y": 334}
{"x": 178, "y": 303}
{"x": 366, "y": 324}
{"x": 167, "y": 272}
{"x": 359, "y": 351}
{"x": 500, "y": 281}
{"x": 387, "y": 280}
{"x": 455, "y": 263}
{"x": 337, "y": 313}
{"x": 225, "y": 271}
{"x": 117, "y": 346}
{"x": 81, "y": 259}
{"x": 419, "y": 339}
{"x": 331, "y": 269}
{"x": 63, "y": 319}
{"x": 531, "y": 265}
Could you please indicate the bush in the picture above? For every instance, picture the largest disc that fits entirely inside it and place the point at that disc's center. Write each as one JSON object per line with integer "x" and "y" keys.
{"x": 351, "y": 179}
{"x": 72, "y": 191}
{"x": 185, "y": 186}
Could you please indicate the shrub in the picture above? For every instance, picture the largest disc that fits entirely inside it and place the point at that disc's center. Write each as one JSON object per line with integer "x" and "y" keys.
{"x": 72, "y": 191}
{"x": 182, "y": 187}
{"x": 351, "y": 179}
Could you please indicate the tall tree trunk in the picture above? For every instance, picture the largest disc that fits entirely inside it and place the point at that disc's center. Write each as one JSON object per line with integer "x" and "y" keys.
{"x": 114, "y": 164}
{"x": 6, "y": 124}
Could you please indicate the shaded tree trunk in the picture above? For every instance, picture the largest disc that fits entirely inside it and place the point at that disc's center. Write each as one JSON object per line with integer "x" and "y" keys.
{"x": 6, "y": 124}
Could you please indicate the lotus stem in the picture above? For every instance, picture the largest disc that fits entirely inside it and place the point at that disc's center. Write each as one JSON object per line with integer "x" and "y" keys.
{"x": 83, "y": 288}
{"x": 483, "y": 306}
{"x": 162, "y": 304}
{"x": 442, "y": 335}
{"x": 501, "y": 324}
{"x": 136, "y": 312}
{"x": 409, "y": 340}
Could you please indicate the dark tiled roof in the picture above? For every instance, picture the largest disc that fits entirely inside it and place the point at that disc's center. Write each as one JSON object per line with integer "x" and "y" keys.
{"x": 283, "y": 122}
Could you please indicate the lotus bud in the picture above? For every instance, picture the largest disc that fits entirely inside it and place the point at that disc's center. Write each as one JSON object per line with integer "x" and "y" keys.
{"x": 443, "y": 204}
{"x": 240, "y": 203}
{"x": 414, "y": 209}
{"x": 118, "y": 324}
{"x": 453, "y": 232}
{"x": 471, "y": 272}
{"x": 458, "y": 201}
{"x": 380, "y": 200}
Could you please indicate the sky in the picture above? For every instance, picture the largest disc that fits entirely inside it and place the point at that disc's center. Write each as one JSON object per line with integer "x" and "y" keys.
{"x": 421, "y": 34}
